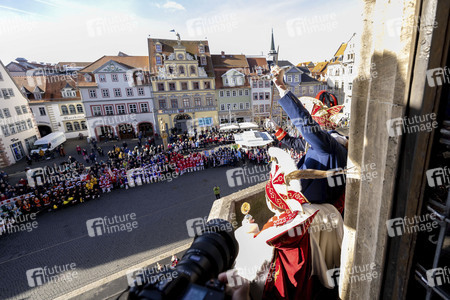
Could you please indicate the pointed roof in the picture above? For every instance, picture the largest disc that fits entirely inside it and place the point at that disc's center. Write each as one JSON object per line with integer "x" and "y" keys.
{"x": 130, "y": 61}
{"x": 272, "y": 44}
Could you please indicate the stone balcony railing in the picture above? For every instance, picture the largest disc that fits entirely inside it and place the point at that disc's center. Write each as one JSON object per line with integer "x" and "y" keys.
{"x": 229, "y": 207}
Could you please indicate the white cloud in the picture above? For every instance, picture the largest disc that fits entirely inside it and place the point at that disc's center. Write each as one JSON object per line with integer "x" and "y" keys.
{"x": 171, "y": 5}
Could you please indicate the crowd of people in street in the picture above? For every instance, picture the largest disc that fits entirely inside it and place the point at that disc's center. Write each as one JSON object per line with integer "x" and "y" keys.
{"x": 89, "y": 174}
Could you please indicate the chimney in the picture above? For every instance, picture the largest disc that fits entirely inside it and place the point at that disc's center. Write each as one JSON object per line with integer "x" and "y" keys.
{"x": 223, "y": 54}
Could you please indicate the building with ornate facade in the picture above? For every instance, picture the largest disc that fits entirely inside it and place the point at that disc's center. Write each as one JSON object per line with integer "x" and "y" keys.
{"x": 182, "y": 79}
{"x": 17, "y": 125}
{"x": 340, "y": 74}
{"x": 117, "y": 98}
{"x": 261, "y": 88}
{"x": 233, "y": 90}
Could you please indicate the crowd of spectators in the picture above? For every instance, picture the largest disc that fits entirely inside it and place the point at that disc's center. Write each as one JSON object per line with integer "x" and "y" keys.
{"x": 88, "y": 176}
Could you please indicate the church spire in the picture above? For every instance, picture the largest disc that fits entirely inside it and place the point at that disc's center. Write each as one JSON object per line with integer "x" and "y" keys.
{"x": 272, "y": 56}
{"x": 272, "y": 44}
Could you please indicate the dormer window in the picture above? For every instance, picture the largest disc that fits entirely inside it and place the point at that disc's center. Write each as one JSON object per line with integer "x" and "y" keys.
{"x": 259, "y": 71}
{"x": 158, "y": 47}
{"x": 201, "y": 48}
{"x": 180, "y": 56}
{"x": 37, "y": 96}
{"x": 203, "y": 60}
{"x": 87, "y": 78}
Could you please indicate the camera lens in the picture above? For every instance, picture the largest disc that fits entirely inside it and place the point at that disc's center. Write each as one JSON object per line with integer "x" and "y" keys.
{"x": 213, "y": 251}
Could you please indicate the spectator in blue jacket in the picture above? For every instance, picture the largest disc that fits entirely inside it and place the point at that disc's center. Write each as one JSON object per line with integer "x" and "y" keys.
{"x": 325, "y": 152}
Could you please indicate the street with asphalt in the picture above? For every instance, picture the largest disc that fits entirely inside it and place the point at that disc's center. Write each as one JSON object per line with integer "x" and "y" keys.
{"x": 94, "y": 267}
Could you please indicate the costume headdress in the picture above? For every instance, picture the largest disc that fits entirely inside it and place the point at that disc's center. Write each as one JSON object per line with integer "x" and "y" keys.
{"x": 327, "y": 117}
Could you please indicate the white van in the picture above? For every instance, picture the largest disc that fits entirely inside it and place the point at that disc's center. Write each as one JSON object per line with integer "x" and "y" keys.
{"x": 49, "y": 142}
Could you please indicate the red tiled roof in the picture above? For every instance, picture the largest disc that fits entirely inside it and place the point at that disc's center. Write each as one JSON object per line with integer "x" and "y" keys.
{"x": 50, "y": 85}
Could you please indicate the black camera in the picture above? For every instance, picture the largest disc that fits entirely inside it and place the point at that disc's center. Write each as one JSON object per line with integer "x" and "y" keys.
{"x": 213, "y": 251}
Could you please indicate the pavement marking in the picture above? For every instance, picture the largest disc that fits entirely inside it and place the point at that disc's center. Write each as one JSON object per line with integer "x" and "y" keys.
{"x": 122, "y": 273}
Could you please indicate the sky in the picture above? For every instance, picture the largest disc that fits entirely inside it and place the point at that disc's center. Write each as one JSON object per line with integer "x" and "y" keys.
{"x": 85, "y": 30}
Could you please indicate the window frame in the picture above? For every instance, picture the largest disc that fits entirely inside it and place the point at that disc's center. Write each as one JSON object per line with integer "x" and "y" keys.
{"x": 121, "y": 109}
{"x": 109, "y": 109}
{"x": 105, "y": 93}
{"x": 96, "y": 112}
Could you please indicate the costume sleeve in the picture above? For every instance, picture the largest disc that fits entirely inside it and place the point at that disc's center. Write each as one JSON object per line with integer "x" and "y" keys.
{"x": 320, "y": 140}
{"x": 297, "y": 144}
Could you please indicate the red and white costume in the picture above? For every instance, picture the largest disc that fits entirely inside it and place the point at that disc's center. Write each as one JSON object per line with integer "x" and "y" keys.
{"x": 290, "y": 247}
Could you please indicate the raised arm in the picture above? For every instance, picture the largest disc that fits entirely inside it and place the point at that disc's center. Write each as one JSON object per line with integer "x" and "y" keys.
{"x": 319, "y": 140}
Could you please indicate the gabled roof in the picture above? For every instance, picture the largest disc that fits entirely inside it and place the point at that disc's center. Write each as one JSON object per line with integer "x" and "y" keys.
{"x": 15, "y": 65}
{"x": 109, "y": 62}
{"x": 341, "y": 50}
{"x": 72, "y": 64}
{"x": 131, "y": 61}
{"x": 308, "y": 79}
{"x": 233, "y": 71}
{"x": 320, "y": 67}
{"x": 303, "y": 69}
{"x": 219, "y": 83}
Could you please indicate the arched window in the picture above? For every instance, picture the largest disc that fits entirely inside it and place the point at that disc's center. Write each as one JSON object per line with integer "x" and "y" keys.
{"x": 80, "y": 108}
{"x": 83, "y": 125}
{"x": 69, "y": 127}
{"x": 76, "y": 125}
{"x": 181, "y": 70}
{"x": 192, "y": 70}
{"x": 72, "y": 109}
{"x": 64, "y": 110}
